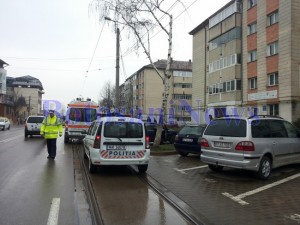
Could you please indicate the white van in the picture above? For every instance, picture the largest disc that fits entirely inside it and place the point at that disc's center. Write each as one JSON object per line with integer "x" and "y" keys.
{"x": 117, "y": 141}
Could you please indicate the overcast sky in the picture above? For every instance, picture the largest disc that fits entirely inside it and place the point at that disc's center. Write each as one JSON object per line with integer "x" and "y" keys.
{"x": 55, "y": 40}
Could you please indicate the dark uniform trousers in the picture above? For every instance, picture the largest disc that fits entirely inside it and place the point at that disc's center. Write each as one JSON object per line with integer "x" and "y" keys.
{"x": 51, "y": 146}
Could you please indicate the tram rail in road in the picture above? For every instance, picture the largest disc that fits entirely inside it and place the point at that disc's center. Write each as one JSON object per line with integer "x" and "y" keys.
{"x": 180, "y": 207}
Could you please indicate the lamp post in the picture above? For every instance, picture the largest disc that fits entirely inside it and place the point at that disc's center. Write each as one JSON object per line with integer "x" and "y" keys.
{"x": 117, "y": 62}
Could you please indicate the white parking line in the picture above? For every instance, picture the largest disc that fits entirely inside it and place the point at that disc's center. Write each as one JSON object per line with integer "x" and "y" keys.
{"x": 10, "y": 139}
{"x": 192, "y": 168}
{"x": 239, "y": 197}
{"x": 54, "y": 210}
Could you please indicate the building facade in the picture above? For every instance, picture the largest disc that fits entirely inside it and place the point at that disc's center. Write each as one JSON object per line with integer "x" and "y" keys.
{"x": 246, "y": 60}
{"x": 143, "y": 91}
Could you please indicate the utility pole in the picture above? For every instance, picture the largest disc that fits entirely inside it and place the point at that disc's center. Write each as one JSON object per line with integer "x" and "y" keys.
{"x": 117, "y": 68}
{"x": 29, "y": 106}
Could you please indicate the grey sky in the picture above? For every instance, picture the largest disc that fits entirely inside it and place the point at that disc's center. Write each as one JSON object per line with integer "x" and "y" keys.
{"x": 54, "y": 41}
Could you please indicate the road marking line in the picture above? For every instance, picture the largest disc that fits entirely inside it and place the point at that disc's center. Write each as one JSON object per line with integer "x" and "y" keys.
{"x": 192, "y": 168}
{"x": 10, "y": 139}
{"x": 239, "y": 197}
{"x": 54, "y": 210}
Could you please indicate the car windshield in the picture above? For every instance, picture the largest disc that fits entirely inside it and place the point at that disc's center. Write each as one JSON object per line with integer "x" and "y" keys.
{"x": 197, "y": 130}
{"x": 123, "y": 130}
{"x": 82, "y": 114}
{"x": 228, "y": 127}
{"x": 37, "y": 119}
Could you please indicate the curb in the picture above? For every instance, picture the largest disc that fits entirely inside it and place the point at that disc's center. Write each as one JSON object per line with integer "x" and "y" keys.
{"x": 162, "y": 153}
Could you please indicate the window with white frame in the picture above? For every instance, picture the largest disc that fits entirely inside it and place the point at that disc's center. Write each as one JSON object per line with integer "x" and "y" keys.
{"x": 252, "y": 28}
{"x": 253, "y": 83}
{"x": 273, "y": 79}
{"x": 223, "y": 63}
{"x": 251, "y": 3}
{"x": 252, "y": 56}
{"x": 272, "y": 49}
{"x": 179, "y": 73}
{"x": 273, "y": 18}
{"x": 227, "y": 86}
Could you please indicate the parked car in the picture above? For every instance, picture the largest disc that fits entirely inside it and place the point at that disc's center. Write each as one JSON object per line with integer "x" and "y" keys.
{"x": 258, "y": 143}
{"x": 188, "y": 139}
{"x": 117, "y": 141}
{"x": 167, "y": 134}
{"x": 4, "y": 123}
{"x": 33, "y": 125}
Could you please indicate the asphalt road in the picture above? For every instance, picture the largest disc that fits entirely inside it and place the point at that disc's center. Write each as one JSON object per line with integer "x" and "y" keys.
{"x": 35, "y": 190}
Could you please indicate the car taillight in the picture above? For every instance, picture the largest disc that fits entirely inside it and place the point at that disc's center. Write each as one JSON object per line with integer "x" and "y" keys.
{"x": 97, "y": 142}
{"x": 66, "y": 125}
{"x": 176, "y": 138}
{"x": 204, "y": 143}
{"x": 147, "y": 138}
{"x": 245, "y": 146}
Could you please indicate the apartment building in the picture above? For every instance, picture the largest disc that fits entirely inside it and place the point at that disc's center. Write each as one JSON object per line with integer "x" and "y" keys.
{"x": 246, "y": 60}
{"x": 6, "y": 101}
{"x": 142, "y": 92}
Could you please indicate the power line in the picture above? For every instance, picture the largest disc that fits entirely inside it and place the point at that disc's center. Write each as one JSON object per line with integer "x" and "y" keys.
{"x": 87, "y": 71}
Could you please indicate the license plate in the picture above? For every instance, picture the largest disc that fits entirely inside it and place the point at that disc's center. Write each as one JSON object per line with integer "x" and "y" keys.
{"x": 221, "y": 144}
{"x": 116, "y": 147}
{"x": 187, "y": 139}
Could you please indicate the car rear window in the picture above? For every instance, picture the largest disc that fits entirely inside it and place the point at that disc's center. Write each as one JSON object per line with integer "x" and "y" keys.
{"x": 82, "y": 114}
{"x": 123, "y": 130}
{"x": 197, "y": 130}
{"x": 37, "y": 119}
{"x": 228, "y": 127}
{"x": 1, "y": 120}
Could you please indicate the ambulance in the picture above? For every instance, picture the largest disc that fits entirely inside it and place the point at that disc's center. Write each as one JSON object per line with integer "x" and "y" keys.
{"x": 79, "y": 116}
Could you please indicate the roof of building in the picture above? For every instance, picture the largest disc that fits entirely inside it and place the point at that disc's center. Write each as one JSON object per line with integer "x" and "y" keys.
{"x": 175, "y": 65}
{"x": 2, "y": 63}
{"x": 24, "y": 81}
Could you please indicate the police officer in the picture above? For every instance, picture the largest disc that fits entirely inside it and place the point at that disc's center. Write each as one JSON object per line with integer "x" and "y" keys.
{"x": 50, "y": 129}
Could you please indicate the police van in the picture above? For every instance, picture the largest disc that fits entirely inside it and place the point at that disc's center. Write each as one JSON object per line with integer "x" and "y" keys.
{"x": 117, "y": 140}
{"x": 79, "y": 116}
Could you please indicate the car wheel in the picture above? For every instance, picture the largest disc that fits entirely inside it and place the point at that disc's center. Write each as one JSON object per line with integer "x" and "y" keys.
{"x": 183, "y": 153}
{"x": 215, "y": 168}
{"x": 8, "y": 127}
{"x": 92, "y": 167}
{"x": 265, "y": 168}
{"x": 84, "y": 154}
{"x": 66, "y": 139}
{"x": 142, "y": 168}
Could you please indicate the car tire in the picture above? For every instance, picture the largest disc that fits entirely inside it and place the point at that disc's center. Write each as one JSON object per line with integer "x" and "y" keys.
{"x": 92, "y": 167}
{"x": 66, "y": 139}
{"x": 215, "y": 168}
{"x": 84, "y": 154}
{"x": 265, "y": 167}
{"x": 183, "y": 153}
{"x": 8, "y": 127}
{"x": 142, "y": 168}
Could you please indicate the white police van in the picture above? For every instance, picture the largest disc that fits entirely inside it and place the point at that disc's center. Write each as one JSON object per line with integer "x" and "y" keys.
{"x": 117, "y": 141}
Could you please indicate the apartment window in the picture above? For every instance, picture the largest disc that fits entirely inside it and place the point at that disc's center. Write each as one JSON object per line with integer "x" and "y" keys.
{"x": 272, "y": 49}
{"x": 252, "y": 56}
{"x": 227, "y": 86}
{"x": 274, "y": 109}
{"x": 273, "y": 79}
{"x": 223, "y": 63}
{"x": 251, "y": 3}
{"x": 178, "y": 73}
{"x": 253, "y": 83}
{"x": 273, "y": 18}
{"x": 179, "y": 96}
{"x": 182, "y": 85}
{"x": 252, "y": 28}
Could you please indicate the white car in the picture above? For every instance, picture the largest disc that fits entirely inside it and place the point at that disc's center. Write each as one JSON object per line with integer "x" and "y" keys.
{"x": 117, "y": 141}
{"x": 33, "y": 125}
{"x": 4, "y": 123}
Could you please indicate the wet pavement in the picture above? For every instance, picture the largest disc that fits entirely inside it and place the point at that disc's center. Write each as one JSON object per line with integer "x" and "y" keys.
{"x": 216, "y": 198}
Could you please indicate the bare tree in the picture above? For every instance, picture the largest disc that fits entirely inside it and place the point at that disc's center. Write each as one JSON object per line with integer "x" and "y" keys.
{"x": 106, "y": 96}
{"x": 139, "y": 18}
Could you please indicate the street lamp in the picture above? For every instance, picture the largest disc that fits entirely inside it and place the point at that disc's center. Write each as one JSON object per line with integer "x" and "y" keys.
{"x": 117, "y": 62}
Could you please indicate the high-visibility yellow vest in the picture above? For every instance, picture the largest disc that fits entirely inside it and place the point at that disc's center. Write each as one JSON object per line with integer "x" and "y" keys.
{"x": 51, "y": 127}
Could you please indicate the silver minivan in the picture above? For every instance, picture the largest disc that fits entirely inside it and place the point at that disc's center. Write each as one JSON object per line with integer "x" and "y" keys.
{"x": 257, "y": 143}
{"x": 117, "y": 141}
